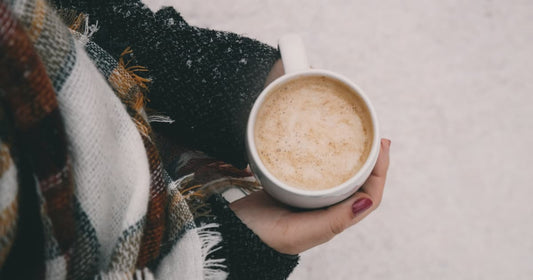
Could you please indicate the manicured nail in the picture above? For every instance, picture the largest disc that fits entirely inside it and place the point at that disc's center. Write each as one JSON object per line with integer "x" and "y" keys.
{"x": 361, "y": 205}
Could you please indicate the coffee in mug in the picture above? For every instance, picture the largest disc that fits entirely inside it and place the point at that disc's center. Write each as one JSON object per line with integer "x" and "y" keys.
{"x": 313, "y": 133}
{"x": 312, "y": 137}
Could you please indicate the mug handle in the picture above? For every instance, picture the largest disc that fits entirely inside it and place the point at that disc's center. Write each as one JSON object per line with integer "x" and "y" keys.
{"x": 293, "y": 53}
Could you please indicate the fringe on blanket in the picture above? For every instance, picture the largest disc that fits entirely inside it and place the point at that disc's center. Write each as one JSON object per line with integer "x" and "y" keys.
{"x": 144, "y": 274}
{"x": 212, "y": 268}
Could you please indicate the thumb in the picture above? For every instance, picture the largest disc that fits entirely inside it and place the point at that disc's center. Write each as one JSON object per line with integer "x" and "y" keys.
{"x": 319, "y": 226}
{"x": 322, "y": 225}
{"x": 292, "y": 231}
{"x": 347, "y": 213}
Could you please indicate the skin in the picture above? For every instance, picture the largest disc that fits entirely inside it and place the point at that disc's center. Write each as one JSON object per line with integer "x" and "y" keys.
{"x": 292, "y": 231}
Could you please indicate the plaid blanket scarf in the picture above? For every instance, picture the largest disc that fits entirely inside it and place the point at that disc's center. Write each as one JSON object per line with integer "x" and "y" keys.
{"x": 75, "y": 136}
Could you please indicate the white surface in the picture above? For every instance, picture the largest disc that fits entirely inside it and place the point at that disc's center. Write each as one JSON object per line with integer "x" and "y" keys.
{"x": 452, "y": 85}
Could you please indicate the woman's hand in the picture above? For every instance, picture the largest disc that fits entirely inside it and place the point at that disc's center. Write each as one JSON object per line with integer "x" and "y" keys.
{"x": 292, "y": 231}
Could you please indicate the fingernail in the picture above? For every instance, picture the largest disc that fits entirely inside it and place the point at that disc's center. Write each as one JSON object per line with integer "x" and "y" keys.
{"x": 361, "y": 205}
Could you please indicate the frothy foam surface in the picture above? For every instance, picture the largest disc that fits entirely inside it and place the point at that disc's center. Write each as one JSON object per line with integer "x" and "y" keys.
{"x": 313, "y": 133}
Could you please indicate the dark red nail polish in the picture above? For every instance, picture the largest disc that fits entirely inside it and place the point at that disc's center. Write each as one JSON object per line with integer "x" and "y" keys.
{"x": 361, "y": 205}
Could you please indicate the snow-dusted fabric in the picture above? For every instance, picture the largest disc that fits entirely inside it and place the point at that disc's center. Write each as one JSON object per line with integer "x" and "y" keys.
{"x": 83, "y": 191}
{"x": 205, "y": 80}
{"x": 104, "y": 195}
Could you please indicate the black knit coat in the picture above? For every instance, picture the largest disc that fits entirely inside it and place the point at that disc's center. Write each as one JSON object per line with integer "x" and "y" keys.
{"x": 206, "y": 81}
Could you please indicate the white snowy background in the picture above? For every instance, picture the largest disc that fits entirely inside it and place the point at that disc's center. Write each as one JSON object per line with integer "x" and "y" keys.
{"x": 452, "y": 82}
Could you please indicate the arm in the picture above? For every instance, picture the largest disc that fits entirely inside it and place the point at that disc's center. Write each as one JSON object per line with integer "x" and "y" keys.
{"x": 291, "y": 231}
{"x": 247, "y": 256}
{"x": 205, "y": 80}
{"x": 184, "y": 77}
{"x": 278, "y": 228}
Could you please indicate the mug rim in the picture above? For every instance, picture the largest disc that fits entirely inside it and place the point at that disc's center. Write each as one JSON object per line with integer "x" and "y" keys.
{"x": 345, "y": 186}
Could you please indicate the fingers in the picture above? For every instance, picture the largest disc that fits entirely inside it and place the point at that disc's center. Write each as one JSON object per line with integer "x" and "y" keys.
{"x": 363, "y": 202}
{"x": 375, "y": 184}
{"x": 347, "y": 213}
{"x": 293, "y": 232}
{"x": 382, "y": 164}
{"x": 312, "y": 228}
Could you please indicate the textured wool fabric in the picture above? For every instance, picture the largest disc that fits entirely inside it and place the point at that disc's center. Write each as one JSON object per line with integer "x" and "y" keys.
{"x": 8, "y": 201}
{"x": 205, "y": 80}
{"x": 84, "y": 190}
{"x": 235, "y": 248}
{"x": 32, "y": 110}
{"x": 103, "y": 190}
{"x": 246, "y": 256}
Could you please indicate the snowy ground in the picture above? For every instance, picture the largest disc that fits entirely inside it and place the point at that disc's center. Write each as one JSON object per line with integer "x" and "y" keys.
{"x": 452, "y": 83}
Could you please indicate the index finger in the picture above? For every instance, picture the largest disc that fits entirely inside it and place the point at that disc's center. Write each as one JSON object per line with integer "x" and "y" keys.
{"x": 382, "y": 164}
{"x": 375, "y": 184}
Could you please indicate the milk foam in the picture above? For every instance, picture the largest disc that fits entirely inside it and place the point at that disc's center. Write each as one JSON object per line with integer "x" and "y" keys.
{"x": 313, "y": 133}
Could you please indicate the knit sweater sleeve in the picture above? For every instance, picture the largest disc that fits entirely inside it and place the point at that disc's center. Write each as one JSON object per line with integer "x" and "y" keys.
{"x": 247, "y": 257}
{"x": 205, "y": 80}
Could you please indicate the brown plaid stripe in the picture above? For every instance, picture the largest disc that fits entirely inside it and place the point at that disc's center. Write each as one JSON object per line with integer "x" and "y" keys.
{"x": 28, "y": 91}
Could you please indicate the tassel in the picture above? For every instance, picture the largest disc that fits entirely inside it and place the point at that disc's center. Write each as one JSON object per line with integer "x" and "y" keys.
{"x": 213, "y": 268}
{"x": 76, "y": 23}
{"x": 159, "y": 119}
{"x": 139, "y": 100}
{"x": 132, "y": 70}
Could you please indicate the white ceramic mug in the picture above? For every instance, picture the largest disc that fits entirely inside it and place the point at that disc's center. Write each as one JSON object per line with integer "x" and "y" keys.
{"x": 296, "y": 66}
